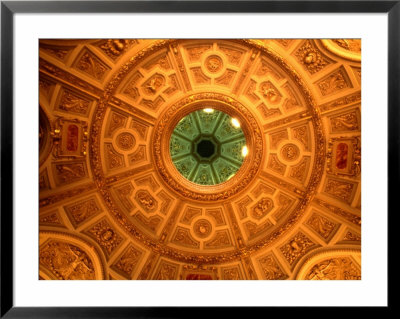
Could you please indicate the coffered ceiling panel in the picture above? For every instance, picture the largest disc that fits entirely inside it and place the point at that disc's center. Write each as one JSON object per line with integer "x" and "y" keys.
{"x": 200, "y": 159}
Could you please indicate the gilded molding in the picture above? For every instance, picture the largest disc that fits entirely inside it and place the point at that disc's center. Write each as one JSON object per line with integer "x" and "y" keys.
{"x": 132, "y": 172}
{"x": 347, "y": 100}
{"x": 341, "y": 51}
{"x": 59, "y": 74}
{"x": 242, "y": 180}
{"x": 354, "y": 219}
{"x": 132, "y": 110}
{"x": 94, "y": 251}
{"x": 288, "y": 120}
{"x": 58, "y": 197}
{"x": 187, "y": 189}
{"x": 320, "y": 254}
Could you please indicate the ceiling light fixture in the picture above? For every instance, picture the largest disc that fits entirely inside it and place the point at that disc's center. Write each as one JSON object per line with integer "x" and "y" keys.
{"x": 235, "y": 123}
{"x": 245, "y": 151}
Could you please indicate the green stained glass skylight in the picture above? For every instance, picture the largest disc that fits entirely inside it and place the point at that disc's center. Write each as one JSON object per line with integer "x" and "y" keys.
{"x": 208, "y": 146}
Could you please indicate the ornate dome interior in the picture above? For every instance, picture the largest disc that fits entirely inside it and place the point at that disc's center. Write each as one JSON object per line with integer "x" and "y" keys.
{"x": 200, "y": 159}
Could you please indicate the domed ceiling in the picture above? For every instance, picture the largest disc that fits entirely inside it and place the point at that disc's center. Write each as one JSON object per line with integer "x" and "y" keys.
{"x": 200, "y": 159}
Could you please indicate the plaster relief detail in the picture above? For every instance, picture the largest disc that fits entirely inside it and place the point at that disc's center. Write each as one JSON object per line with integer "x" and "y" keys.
{"x": 271, "y": 268}
{"x": 125, "y": 141}
{"x": 262, "y": 208}
{"x": 146, "y": 201}
{"x": 128, "y": 261}
{"x": 336, "y": 81}
{"x": 92, "y": 65}
{"x": 105, "y": 235}
{"x": 335, "y": 269}
{"x": 82, "y": 211}
{"x": 66, "y": 261}
{"x": 297, "y": 247}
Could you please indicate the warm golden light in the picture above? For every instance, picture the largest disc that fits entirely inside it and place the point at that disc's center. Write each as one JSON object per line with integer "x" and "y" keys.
{"x": 235, "y": 122}
{"x": 144, "y": 173}
{"x": 245, "y": 151}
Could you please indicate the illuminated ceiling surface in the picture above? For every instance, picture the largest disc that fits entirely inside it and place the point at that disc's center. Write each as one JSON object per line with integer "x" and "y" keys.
{"x": 200, "y": 159}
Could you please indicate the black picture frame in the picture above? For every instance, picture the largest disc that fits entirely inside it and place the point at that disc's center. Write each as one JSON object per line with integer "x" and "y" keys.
{"x": 9, "y": 8}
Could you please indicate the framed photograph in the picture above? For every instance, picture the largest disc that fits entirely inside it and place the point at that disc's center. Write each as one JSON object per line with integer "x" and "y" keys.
{"x": 163, "y": 155}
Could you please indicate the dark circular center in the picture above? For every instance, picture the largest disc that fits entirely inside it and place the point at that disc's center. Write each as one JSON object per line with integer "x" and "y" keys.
{"x": 205, "y": 148}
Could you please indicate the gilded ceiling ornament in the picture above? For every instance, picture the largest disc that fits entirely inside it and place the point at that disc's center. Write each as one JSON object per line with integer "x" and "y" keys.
{"x": 221, "y": 239}
{"x": 148, "y": 203}
{"x": 226, "y": 78}
{"x": 147, "y": 268}
{"x": 290, "y": 152}
{"x": 232, "y": 273}
{"x": 349, "y": 44}
{"x": 217, "y": 215}
{"x": 71, "y": 102}
{"x": 345, "y": 122}
{"x": 114, "y": 48}
{"x": 82, "y": 211}
{"x": 51, "y": 219}
{"x": 356, "y": 220}
{"x": 297, "y": 247}
{"x": 67, "y": 173}
{"x": 128, "y": 261}
{"x": 270, "y": 93}
{"x": 59, "y": 53}
{"x": 116, "y": 121}
{"x": 167, "y": 271}
{"x": 168, "y": 117}
{"x": 196, "y": 52}
{"x": 66, "y": 261}
{"x": 148, "y": 197}
{"x": 162, "y": 61}
{"x": 151, "y": 223}
{"x": 301, "y": 134}
{"x": 347, "y": 100}
{"x": 213, "y": 63}
{"x": 311, "y": 57}
{"x": 125, "y": 141}
{"x": 114, "y": 159}
{"x": 218, "y": 102}
{"x": 60, "y": 196}
{"x": 138, "y": 156}
{"x": 321, "y": 225}
{"x": 105, "y": 236}
{"x": 351, "y": 236}
{"x": 340, "y": 189}
{"x": 276, "y": 165}
{"x": 335, "y": 269}
{"x": 92, "y": 65}
{"x": 334, "y": 82}
{"x": 271, "y": 268}
{"x": 299, "y": 172}
{"x": 153, "y": 84}
{"x": 349, "y": 49}
{"x": 202, "y": 228}
{"x": 50, "y": 70}
{"x": 263, "y": 207}
{"x": 253, "y": 230}
{"x": 234, "y": 56}
{"x": 183, "y": 237}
